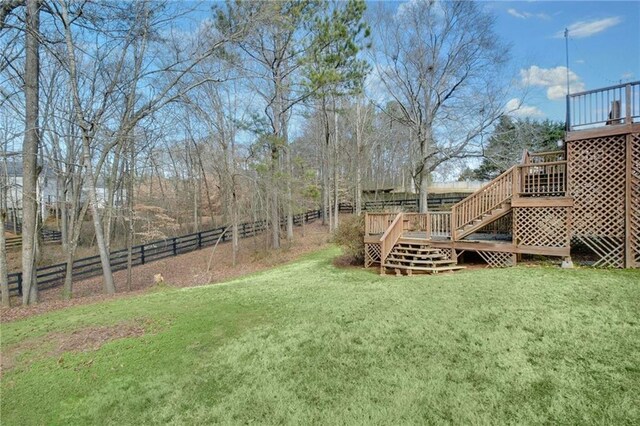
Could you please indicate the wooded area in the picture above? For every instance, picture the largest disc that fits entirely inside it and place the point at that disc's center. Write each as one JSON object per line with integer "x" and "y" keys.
{"x": 157, "y": 118}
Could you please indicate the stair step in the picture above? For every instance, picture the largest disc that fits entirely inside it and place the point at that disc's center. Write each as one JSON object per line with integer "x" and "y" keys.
{"x": 428, "y": 269}
{"x": 419, "y": 255}
{"x": 410, "y": 258}
{"x": 415, "y": 249}
{"x": 421, "y": 262}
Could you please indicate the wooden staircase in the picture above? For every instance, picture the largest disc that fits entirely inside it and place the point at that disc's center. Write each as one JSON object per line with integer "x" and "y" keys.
{"x": 538, "y": 182}
{"x": 415, "y": 255}
{"x": 484, "y": 220}
{"x": 486, "y": 205}
{"x": 535, "y": 177}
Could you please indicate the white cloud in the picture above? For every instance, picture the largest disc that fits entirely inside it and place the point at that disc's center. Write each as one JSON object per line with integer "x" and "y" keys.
{"x": 554, "y": 79}
{"x": 516, "y": 108}
{"x": 582, "y": 29}
{"x": 527, "y": 15}
{"x": 627, "y": 76}
{"x": 517, "y": 14}
{"x": 580, "y": 61}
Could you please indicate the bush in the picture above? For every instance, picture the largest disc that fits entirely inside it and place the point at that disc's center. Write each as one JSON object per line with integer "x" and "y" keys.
{"x": 350, "y": 236}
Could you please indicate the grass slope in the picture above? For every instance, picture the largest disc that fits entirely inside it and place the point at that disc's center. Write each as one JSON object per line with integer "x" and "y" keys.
{"x": 309, "y": 343}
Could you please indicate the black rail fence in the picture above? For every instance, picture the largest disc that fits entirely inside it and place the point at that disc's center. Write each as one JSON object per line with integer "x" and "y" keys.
{"x": 409, "y": 204}
{"x": 48, "y": 235}
{"x": 52, "y": 276}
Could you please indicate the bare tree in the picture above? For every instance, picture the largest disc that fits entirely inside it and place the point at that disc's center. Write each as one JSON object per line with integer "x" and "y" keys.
{"x": 440, "y": 64}
{"x": 113, "y": 81}
{"x": 30, "y": 169}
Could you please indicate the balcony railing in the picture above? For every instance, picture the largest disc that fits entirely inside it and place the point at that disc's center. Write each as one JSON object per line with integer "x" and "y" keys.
{"x": 608, "y": 106}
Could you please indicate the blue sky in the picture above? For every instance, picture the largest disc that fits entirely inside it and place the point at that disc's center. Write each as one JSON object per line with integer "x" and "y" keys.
{"x": 604, "y": 47}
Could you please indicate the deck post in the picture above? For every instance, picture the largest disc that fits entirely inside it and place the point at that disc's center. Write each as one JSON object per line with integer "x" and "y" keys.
{"x": 366, "y": 223}
{"x": 452, "y": 220}
{"x": 628, "y": 101}
{"x": 628, "y": 251}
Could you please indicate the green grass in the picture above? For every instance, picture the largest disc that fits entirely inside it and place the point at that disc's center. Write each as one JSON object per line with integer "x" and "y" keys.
{"x": 310, "y": 343}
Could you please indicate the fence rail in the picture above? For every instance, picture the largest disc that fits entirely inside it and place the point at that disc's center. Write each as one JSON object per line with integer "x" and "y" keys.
{"x": 53, "y": 275}
{"x": 48, "y": 235}
{"x": 407, "y": 205}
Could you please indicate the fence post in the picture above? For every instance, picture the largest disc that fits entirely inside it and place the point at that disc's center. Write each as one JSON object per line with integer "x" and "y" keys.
{"x": 199, "y": 240}
{"x": 174, "y": 246}
{"x": 142, "y": 254}
{"x": 244, "y": 230}
{"x": 19, "y": 283}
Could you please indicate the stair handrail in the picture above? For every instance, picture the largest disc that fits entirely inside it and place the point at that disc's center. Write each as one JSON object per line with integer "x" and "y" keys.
{"x": 390, "y": 238}
{"x": 477, "y": 204}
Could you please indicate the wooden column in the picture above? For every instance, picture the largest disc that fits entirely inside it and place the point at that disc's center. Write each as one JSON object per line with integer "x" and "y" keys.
{"x": 628, "y": 249}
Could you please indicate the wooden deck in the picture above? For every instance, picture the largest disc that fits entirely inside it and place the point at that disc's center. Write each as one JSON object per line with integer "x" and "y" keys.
{"x": 588, "y": 193}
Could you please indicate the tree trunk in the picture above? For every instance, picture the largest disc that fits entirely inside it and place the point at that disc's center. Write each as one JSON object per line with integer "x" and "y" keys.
{"x": 107, "y": 276}
{"x": 130, "y": 203}
{"x": 326, "y": 205}
{"x": 67, "y": 291}
{"x": 289, "y": 167}
{"x": 30, "y": 154}
{"x": 4, "y": 277}
{"x": 424, "y": 173}
{"x": 358, "y": 174}
{"x": 275, "y": 214}
{"x": 336, "y": 187}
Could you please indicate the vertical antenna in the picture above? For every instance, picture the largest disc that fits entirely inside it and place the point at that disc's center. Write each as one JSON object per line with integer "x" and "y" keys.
{"x": 566, "y": 45}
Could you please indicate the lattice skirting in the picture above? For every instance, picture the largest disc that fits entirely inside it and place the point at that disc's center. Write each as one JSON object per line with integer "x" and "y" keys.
{"x": 609, "y": 250}
{"x": 635, "y": 200}
{"x": 447, "y": 252}
{"x": 496, "y": 259}
{"x": 371, "y": 254}
{"x": 541, "y": 226}
{"x": 597, "y": 182}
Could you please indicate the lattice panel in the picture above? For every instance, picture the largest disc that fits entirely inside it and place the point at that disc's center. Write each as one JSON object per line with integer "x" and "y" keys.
{"x": 446, "y": 252}
{"x": 371, "y": 254}
{"x": 610, "y": 250}
{"x": 597, "y": 184}
{"x": 496, "y": 259}
{"x": 541, "y": 226}
{"x": 635, "y": 199}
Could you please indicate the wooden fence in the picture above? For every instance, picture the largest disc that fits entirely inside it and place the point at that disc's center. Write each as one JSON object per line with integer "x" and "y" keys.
{"x": 407, "y": 205}
{"x": 48, "y": 235}
{"x": 52, "y": 276}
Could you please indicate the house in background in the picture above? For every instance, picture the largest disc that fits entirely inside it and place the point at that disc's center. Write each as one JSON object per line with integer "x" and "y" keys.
{"x": 47, "y": 190}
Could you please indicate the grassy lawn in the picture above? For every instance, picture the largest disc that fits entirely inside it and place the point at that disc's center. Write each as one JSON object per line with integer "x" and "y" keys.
{"x": 310, "y": 343}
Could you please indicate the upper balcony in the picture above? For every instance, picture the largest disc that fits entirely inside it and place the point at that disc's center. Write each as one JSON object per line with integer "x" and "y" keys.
{"x": 609, "y": 110}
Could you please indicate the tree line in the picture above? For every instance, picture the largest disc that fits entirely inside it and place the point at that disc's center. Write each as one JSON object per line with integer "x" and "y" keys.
{"x": 153, "y": 114}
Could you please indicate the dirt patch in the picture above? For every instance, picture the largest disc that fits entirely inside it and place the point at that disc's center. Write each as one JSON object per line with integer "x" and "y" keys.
{"x": 347, "y": 261}
{"x": 55, "y": 344}
{"x": 186, "y": 270}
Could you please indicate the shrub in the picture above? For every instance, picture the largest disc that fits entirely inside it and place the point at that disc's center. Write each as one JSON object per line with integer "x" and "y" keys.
{"x": 350, "y": 236}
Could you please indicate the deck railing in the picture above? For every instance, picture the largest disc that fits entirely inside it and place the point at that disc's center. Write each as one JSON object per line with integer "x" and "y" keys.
{"x": 542, "y": 157}
{"x": 484, "y": 200}
{"x": 416, "y": 222}
{"x": 619, "y": 104}
{"x": 439, "y": 224}
{"x": 543, "y": 179}
{"x": 377, "y": 223}
{"x": 390, "y": 238}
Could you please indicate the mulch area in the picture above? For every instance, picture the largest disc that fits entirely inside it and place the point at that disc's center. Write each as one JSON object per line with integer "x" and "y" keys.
{"x": 185, "y": 270}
